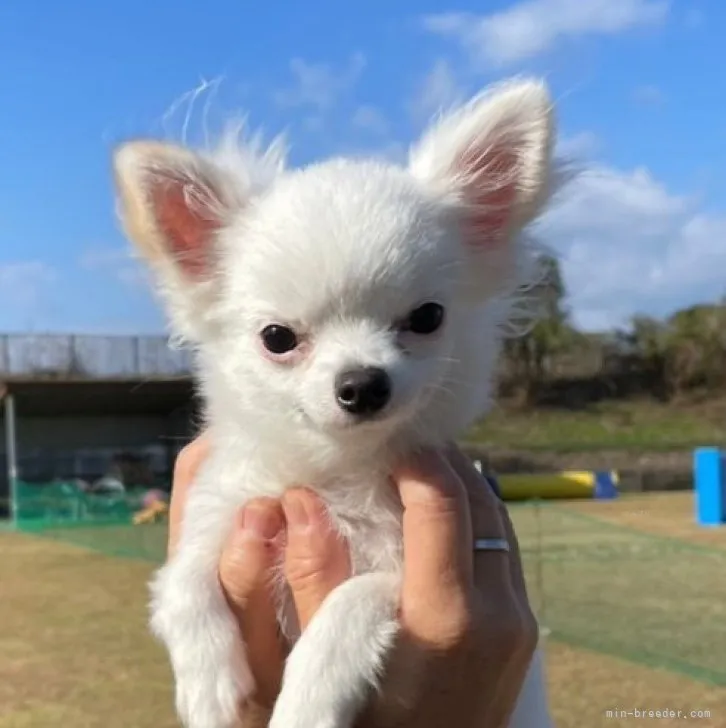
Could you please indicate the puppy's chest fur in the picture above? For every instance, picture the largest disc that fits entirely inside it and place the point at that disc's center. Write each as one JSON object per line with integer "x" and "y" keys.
{"x": 362, "y": 503}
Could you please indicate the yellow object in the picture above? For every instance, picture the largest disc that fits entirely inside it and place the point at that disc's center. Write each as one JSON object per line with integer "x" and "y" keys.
{"x": 156, "y": 511}
{"x": 570, "y": 484}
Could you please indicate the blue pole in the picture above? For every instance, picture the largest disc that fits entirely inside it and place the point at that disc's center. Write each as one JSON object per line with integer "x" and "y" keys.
{"x": 709, "y": 486}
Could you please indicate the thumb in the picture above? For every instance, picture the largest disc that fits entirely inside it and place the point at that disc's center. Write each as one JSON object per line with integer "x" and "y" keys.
{"x": 244, "y": 572}
{"x": 251, "y": 551}
{"x": 316, "y": 557}
{"x": 186, "y": 466}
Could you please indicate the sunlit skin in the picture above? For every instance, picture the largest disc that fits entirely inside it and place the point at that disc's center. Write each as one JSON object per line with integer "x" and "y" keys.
{"x": 468, "y": 632}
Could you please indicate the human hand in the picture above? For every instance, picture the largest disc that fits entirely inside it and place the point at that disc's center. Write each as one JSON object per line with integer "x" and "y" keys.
{"x": 315, "y": 562}
{"x": 468, "y": 633}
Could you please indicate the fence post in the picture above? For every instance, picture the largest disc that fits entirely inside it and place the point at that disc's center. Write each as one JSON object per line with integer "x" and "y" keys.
{"x": 544, "y": 628}
{"x": 11, "y": 455}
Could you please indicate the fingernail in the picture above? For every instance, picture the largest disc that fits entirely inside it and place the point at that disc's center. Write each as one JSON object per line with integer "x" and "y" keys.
{"x": 261, "y": 521}
{"x": 430, "y": 471}
{"x": 296, "y": 510}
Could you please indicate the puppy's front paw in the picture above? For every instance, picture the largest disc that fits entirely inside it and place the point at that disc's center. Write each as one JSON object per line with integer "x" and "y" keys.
{"x": 296, "y": 714}
{"x": 208, "y": 658}
{"x": 337, "y": 661}
{"x": 209, "y": 697}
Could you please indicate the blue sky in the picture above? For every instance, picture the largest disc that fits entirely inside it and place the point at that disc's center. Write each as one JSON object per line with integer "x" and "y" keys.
{"x": 641, "y": 101}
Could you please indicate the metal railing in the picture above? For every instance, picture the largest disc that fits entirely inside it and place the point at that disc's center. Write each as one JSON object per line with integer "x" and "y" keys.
{"x": 63, "y": 356}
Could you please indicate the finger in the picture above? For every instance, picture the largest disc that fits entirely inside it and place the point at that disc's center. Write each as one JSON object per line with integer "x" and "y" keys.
{"x": 437, "y": 571}
{"x": 492, "y": 568}
{"x": 316, "y": 557}
{"x": 185, "y": 469}
{"x": 499, "y": 577}
{"x": 245, "y": 571}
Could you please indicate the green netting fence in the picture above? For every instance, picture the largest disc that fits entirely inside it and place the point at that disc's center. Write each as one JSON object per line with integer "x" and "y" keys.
{"x": 649, "y": 599}
{"x": 66, "y": 503}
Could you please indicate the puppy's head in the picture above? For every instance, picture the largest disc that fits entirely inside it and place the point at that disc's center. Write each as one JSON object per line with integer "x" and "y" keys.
{"x": 349, "y": 296}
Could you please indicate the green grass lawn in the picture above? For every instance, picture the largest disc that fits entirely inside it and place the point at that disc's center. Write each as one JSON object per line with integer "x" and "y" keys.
{"x": 637, "y": 619}
{"x": 144, "y": 543}
{"x": 627, "y": 425}
{"x": 663, "y": 604}
{"x": 651, "y": 598}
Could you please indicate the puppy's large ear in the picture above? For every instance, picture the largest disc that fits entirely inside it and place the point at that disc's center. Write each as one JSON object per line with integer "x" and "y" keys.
{"x": 490, "y": 162}
{"x": 173, "y": 203}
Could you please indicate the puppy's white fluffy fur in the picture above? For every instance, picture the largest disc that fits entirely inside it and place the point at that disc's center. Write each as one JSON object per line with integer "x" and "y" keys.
{"x": 340, "y": 252}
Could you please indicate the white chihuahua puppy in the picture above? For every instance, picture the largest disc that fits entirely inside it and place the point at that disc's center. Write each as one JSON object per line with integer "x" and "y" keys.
{"x": 343, "y": 315}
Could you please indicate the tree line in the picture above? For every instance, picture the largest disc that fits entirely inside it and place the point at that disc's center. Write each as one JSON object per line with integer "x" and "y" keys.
{"x": 551, "y": 362}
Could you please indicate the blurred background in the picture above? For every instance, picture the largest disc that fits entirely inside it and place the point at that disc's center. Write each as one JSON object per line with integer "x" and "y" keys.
{"x": 601, "y": 407}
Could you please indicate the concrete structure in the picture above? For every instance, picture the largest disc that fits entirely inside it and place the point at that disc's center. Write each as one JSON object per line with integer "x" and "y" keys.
{"x": 71, "y": 404}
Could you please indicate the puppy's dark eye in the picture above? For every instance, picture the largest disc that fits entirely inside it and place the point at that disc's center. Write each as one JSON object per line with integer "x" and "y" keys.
{"x": 425, "y": 319}
{"x": 278, "y": 339}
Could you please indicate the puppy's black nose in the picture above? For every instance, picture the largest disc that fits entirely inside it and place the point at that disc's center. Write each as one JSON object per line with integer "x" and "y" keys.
{"x": 363, "y": 391}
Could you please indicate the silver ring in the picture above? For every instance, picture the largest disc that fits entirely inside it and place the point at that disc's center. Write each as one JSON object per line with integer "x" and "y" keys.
{"x": 491, "y": 544}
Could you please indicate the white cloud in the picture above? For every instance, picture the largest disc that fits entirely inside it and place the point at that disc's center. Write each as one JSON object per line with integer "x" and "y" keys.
{"x": 438, "y": 91}
{"x": 25, "y": 286}
{"x": 318, "y": 85}
{"x": 313, "y": 122}
{"x": 97, "y": 257}
{"x": 530, "y": 28}
{"x": 582, "y": 144}
{"x": 370, "y": 119}
{"x": 392, "y": 151}
{"x": 22, "y": 283}
{"x": 629, "y": 245}
{"x": 386, "y": 150}
{"x": 120, "y": 262}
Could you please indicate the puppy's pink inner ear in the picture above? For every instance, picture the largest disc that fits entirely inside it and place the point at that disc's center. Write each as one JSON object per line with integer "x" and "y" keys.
{"x": 490, "y": 192}
{"x": 188, "y": 215}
